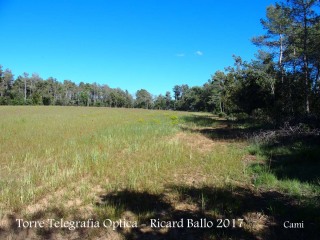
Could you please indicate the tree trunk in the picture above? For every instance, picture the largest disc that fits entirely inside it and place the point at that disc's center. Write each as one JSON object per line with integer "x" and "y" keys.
{"x": 25, "y": 89}
{"x": 280, "y": 58}
{"x": 305, "y": 62}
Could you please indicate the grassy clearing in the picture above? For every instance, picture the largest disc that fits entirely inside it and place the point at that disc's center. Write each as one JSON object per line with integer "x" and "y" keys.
{"x": 69, "y": 156}
{"x": 82, "y": 163}
{"x": 49, "y": 148}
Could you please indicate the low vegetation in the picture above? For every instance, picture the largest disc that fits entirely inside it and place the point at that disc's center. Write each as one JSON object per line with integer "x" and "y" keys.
{"x": 77, "y": 163}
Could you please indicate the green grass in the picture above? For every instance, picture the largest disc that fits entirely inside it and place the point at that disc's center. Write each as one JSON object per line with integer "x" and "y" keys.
{"x": 80, "y": 163}
{"x": 291, "y": 165}
{"x": 46, "y": 149}
{"x": 291, "y": 168}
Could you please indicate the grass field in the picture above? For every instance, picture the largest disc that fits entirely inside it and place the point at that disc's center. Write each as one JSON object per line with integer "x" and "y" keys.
{"x": 78, "y": 163}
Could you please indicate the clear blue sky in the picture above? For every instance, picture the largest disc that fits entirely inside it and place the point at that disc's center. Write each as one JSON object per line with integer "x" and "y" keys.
{"x": 131, "y": 44}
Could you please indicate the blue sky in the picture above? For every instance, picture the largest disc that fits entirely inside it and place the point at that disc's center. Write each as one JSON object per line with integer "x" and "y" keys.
{"x": 131, "y": 44}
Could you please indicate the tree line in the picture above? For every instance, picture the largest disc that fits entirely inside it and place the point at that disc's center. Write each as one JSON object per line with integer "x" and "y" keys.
{"x": 33, "y": 90}
{"x": 282, "y": 82}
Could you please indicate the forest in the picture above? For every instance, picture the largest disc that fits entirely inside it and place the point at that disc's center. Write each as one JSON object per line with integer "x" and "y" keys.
{"x": 282, "y": 82}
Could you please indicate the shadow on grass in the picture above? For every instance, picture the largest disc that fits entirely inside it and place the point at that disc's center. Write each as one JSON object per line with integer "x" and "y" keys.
{"x": 17, "y": 231}
{"x": 204, "y": 120}
{"x": 221, "y": 129}
{"x": 295, "y": 158}
{"x": 142, "y": 203}
{"x": 263, "y": 213}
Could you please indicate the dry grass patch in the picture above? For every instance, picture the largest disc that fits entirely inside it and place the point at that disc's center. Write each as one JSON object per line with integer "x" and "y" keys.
{"x": 196, "y": 141}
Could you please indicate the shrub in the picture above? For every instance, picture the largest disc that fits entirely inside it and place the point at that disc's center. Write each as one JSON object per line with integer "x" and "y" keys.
{"x": 241, "y": 116}
{"x": 222, "y": 115}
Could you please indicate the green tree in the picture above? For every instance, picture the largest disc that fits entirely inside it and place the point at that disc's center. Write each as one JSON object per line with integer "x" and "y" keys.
{"x": 168, "y": 100}
{"x": 7, "y": 82}
{"x": 143, "y": 99}
{"x": 305, "y": 19}
{"x": 2, "y": 84}
{"x": 218, "y": 91}
{"x": 293, "y": 35}
{"x": 250, "y": 88}
{"x": 278, "y": 26}
{"x": 179, "y": 92}
{"x": 160, "y": 102}
{"x": 192, "y": 100}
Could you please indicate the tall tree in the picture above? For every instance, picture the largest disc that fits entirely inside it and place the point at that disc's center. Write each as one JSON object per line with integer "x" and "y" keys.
{"x": 8, "y": 80}
{"x": 218, "y": 91}
{"x": 143, "y": 99}
{"x": 278, "y": 26}
{"x": 160, "y": 102}
{"x": 291, "y": 34}
{"x": 304, "y": 19}
{"x": 25, "y": 80}
{"x": 2, "y": 87}
{"x": 168, "y": 100}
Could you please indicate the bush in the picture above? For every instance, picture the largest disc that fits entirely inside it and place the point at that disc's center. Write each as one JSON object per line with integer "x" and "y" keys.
{"x": 46, "y": 101}
{"x": 58, "y": 102}
{"x": 3, "y": 101}
{"x": 259, "y": 114}
{"x": 36, "y": 99}
{"x": 17, "y": 101}
{"x": 29, "y": 102}
{"x": 222, "y": 115}
{"x": 241, "y": 116}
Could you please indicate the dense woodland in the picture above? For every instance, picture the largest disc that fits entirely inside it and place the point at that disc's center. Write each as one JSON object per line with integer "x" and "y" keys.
{"x": 281, "y": 83}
